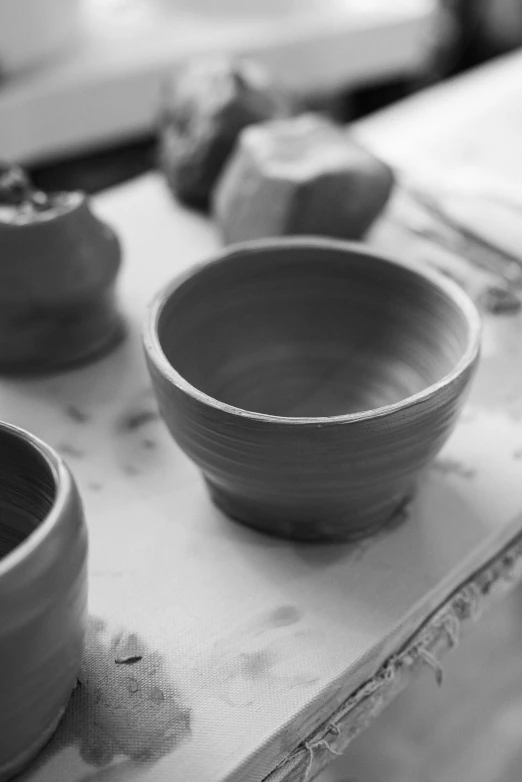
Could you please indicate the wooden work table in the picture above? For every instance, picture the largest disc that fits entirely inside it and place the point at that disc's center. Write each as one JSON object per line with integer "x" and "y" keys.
{"x": 261, "y": 659}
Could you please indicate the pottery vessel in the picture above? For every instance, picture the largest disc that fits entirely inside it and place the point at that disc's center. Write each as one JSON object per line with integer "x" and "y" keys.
{"x": 57, "y": 288}
{"x": 43, "y": 594}
{"x": 311, "y": 380}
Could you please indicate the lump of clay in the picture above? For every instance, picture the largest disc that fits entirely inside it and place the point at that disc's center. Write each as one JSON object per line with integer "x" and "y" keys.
{"x": 58, "y": 271}
{"x": 299, "y": 176}
{"x": 207, "y": 103}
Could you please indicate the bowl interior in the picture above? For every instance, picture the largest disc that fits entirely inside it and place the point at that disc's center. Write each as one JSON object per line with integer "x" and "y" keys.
{"x": 27, "y": 490}
{"x": 311, "y": 331}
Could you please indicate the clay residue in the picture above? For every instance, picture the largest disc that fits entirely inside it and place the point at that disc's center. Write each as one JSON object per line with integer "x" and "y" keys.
{"x": 149, "y": 444}
{"x": 454, "y": 467}
{"x": 321, "y": 554}
{"x": 284, "y": 616}
{"x": 500, "y": 301}
{"x": 131, "y": 470}
{"x": 95, "y": 486}
{"x": 133, "y": 420}
{"x": 125, "y": 705}
{"x": 135, "y": 446}
{"x": 324, "y": 554}
{"x": 77, "y": 414}
{"x": 258, "y": 654}
{"x": 68, "y": 449}
{"x": 255, "y": 665}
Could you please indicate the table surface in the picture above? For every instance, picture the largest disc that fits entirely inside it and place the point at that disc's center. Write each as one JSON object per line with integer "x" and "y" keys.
{"x": 251, "y": 649}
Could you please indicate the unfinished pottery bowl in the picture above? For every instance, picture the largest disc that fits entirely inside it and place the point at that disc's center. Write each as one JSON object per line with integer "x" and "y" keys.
{"x": 43, "y": 594}
{"x": 311, "y": 380}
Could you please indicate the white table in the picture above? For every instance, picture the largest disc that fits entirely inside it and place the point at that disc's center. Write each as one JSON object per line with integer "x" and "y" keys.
{"x": 462, "y": 135}
{"x": 260, "y": 659}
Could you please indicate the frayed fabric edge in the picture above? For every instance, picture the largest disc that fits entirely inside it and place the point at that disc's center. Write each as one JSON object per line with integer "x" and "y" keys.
{"x": 439, "y": 634}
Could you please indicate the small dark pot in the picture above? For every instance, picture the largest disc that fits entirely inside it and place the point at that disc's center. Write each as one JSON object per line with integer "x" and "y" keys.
{"x": 57, "y": 280}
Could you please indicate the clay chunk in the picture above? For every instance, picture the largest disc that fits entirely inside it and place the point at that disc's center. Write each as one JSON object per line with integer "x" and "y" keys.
{"x": 207, "y": 102}
{"x": 300, "y": 175}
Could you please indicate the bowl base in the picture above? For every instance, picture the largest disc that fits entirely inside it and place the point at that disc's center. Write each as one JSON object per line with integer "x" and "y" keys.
{"x": 15, "y": 766}
{"x": 332, "y": 528}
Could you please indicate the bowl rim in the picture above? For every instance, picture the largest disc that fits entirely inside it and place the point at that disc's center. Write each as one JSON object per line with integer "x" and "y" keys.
{"x": 454, "y": 292}
{"x": 63, "y": 486}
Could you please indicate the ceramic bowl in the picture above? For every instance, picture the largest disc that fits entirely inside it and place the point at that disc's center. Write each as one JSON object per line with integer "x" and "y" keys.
{"x": 311, "y": 380}
{"x": 43, "y": 594}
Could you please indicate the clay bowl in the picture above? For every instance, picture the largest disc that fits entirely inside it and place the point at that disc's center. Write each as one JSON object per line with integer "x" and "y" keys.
{"x": 311, "y": 380}
{"x": 43, "y": 594}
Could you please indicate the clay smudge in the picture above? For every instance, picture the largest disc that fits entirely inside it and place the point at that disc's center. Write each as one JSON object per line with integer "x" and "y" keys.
{"x": 400, "y": 516}
{"x": 454, "y": 467}
{"x": 94, "y": 486}
{"x": 136, "y": 445}
{"x": 284, "y": 616}
{"x": 324, "y": 554}
{"x": 321, "y": 554}
{"x": 131, "y": 469}
{"x": 235, "y": 676}
{"x": 255, "y": 665}
{"x": 133, "y": 686}
{"x": 157, "y": 695}
{"x": 76, "y": 414}
{"x": 132, "y": 421}
{"x": 259, "y": 654}
{"x": 67, "y": 449}
{"x": 304, "y": 681}
{"x": 111, "y": 714}
{"x": 500, "y": 301}
{"x": 517, "y": 454}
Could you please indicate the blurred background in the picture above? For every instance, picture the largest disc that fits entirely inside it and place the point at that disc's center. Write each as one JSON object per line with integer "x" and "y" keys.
{"x": 81, "y": 79}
